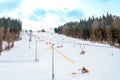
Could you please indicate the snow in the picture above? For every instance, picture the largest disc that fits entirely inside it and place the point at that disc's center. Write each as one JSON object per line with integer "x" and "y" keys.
{"x": 19, "y": 63}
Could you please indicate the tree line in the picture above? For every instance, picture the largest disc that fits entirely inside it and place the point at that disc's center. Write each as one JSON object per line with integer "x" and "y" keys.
{"x": 9, "y": 32}
{"x": 105, "y": 29}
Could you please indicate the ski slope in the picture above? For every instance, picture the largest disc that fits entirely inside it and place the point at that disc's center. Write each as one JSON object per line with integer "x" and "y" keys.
{"x": 19, "y": 63}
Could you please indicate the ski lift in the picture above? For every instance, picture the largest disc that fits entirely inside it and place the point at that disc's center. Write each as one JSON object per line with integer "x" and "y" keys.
{"x": 82, "y": 51}
{"x": 112, "y": 54}
{"x": 74, "y": 45}
{"x": 59, "y": 45}
{"x": 49, "y": 43}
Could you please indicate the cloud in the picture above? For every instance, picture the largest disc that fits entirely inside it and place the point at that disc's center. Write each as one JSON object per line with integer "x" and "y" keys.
{"x": 39, "y": 14}
{"x": 75, "y": 14}
{"x": 97, "y": 8}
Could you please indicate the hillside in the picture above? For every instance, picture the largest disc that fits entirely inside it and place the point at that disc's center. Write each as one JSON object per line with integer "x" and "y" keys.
{"x": 19, "y": 63}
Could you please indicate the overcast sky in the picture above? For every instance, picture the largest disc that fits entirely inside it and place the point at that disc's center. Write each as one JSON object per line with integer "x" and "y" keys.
{"x": 46, "y": 14}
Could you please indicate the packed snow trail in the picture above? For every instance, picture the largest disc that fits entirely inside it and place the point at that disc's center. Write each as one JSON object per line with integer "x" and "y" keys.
{"x": 19, "y": 63}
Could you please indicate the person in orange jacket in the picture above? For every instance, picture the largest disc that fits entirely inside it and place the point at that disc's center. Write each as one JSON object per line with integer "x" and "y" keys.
{"x": 84, "y": 70}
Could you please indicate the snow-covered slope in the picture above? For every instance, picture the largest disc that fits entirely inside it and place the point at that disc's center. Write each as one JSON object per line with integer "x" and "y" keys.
{"x": 102, "y": 61}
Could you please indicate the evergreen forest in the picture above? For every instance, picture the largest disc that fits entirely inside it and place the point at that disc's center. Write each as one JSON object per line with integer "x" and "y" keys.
{"x": 103, "y": 29}
{"x": 9, "y": 32}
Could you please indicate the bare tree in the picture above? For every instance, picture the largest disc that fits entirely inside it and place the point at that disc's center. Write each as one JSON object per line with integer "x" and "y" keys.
{"x": 1, "y": 38}
{"x": 65, "y": 30}
{"x": 94, "y": 31}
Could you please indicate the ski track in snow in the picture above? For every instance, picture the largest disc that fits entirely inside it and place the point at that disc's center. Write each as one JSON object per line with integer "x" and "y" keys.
{"x": 19, "y": 63}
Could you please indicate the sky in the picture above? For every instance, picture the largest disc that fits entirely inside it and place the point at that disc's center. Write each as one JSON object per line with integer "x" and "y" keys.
{"x": 46, "y": 14}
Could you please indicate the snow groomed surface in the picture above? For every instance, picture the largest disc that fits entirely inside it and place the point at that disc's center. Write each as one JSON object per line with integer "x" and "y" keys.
{"x": 19, "y": 63}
